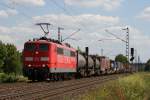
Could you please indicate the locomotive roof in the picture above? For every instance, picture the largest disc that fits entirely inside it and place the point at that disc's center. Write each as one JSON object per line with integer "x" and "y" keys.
{"x": 43, "y": 40}
{"x": 52, "y": 41}
{"x": 38, "y": 41}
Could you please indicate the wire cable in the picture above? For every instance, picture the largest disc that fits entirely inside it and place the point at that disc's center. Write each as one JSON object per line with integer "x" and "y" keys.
{"x": 66, "y": 11}
{"x": 116, "y": 36}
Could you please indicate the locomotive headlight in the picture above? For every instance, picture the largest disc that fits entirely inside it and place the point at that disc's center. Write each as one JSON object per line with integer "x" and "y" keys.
{"x": 28, "y": 58}
{"x": 43, "y": 65}
{"x": 44, "y": 59}
{"x": 29, "y": 65}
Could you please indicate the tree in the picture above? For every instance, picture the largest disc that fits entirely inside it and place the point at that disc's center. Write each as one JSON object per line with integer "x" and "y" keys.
{"x": 79, "y": 50}
{"x": 121, "y": 58}
{"x": 147, "y": 67}
{"x": 3, "y": 54}
{"x": 12, "y": 62}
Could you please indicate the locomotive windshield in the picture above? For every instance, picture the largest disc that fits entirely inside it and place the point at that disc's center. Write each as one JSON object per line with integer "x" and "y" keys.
{"x": 43, "y": 47}
{"x": 30, "y": 47}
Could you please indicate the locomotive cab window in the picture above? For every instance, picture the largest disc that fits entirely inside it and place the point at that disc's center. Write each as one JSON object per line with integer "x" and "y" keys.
{"x": 72, "y": 54}
{"x": 66, "y": 52}
{"x": 60, "y": 51}
{"x": 43, "y": 47}
{"x": 29, "y": 47}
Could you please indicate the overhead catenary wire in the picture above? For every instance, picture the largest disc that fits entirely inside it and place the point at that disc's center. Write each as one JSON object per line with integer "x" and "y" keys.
{"x": 106, "y": 39}
{"x": 116, "y": 36}
{"x": 71, "y": 35}
{"x": 56, "y": 4}
{"x": 66, "y": 11}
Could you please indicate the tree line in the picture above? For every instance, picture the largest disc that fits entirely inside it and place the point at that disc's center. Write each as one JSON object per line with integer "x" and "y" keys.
{"x": 10, "y": 59}
{"x": 147, "y": 66}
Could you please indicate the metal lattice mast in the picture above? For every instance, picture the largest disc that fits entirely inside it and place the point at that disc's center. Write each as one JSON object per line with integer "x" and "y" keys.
{"x": 127, "y": 43}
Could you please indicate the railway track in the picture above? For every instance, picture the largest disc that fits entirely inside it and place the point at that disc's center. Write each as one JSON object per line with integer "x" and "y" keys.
{"x": 53, "y": 90}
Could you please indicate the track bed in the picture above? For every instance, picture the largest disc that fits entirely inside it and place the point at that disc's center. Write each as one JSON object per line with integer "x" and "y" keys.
{"x": 52, "y": 90}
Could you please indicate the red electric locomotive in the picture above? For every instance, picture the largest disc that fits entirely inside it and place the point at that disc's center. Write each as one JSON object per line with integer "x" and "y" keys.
{"x": 44, "y": 58}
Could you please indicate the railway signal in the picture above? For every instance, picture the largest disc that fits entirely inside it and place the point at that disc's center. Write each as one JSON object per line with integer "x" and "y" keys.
{"x": 87, "y": 59}
{"x": 132, "y": 51}
{"x": 132, "y": 54}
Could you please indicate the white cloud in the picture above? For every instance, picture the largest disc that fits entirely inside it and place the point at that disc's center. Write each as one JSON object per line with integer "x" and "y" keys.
{"x": 4, "y": 29}
{"x": 7, "y": 13}
{"x": 145, "y": 14}
{"x": 3, "y": 13}
{"x": 17, "y": 29}
{"x": 12, "y": 12}
{"x": 29, "y": 2}
{"x": 18, "y": 34}
{"x": 6, "y": 38}
{"x": 90, "y": 21}
{"x": 105, "y": 4}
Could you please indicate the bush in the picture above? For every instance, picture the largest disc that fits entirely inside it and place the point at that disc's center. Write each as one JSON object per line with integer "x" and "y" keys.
{"x": 22, "y": 79}
{"x": 10, "y": 78}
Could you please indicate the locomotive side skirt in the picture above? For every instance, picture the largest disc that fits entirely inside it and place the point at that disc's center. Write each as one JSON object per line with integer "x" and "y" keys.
{"x": 62, "y": 70}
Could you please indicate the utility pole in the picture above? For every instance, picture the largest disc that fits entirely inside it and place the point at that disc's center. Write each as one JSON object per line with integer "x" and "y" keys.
{"x": 136, "y": 55}
{"x": 140, "y": 68}
{"x": 59, "y": 37}
{"x": 102, "y": 51}
{"x": 136, "y": 60}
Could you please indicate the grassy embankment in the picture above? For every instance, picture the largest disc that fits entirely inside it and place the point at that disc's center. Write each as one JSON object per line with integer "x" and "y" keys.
{"x": 133, "y": 87}
{"x": 10, "y": 78}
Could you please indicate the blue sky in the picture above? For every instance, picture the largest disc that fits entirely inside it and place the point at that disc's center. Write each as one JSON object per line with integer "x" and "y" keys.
{"x": 18, "y": 17}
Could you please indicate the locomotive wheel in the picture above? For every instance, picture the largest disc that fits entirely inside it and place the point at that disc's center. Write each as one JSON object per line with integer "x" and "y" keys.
{"x": 57, "y": 77}
{"x": 61, "y": 78}
{"x": 33, "y": 79}
{"x": 40, "y": 77}
{"x": 74, "y": 76}
{"x": 78, "y": 75}
{"x": 54, "y": 77}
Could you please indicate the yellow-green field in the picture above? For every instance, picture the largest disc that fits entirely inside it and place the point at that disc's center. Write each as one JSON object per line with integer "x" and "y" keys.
{"x": 133, "y": 87}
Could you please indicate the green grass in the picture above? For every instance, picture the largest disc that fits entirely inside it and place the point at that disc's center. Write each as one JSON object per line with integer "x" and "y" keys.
{"x": 133, "y": 87}
{"x": 11, "y": 78}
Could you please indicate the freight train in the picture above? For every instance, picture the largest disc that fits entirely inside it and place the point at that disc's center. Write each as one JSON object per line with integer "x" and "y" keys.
{"x": 47, "y": 58}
